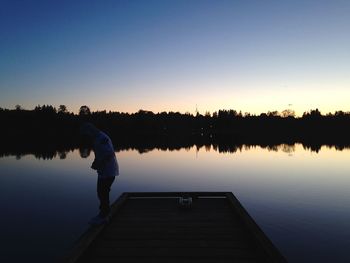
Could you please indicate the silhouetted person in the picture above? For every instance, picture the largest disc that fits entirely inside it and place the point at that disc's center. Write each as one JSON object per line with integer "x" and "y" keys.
{"x": 106, "y": 165}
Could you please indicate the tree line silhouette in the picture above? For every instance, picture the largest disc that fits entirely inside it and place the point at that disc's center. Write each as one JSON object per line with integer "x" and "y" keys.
{"x": 49, "y": 129}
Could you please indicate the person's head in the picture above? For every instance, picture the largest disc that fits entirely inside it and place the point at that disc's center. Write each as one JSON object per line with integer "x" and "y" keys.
{"x": 89, "y": 130}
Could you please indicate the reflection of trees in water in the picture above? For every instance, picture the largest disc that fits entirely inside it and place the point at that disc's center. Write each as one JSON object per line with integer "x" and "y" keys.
{"x": 38, "y": 155}
{"x": 44, "y": 153}
{"x": 318, "y": 147}
{"x": 272, "y": 148}
{"x": 286, "y": 148}
{"x": 338, "y": 147}
{"x": 247, "y": 147}
{"x": 62, "y": 154}
{"x": 221, "y": 148}
{"x": 207, "y": 148}
{"x": 313, "y": 148}
{"x": 84, "y": 152}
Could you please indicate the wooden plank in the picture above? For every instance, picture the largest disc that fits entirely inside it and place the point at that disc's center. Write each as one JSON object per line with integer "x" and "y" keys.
{"x": 188, "y": 236}
{"x": 228, "y": 238}
{"x": 151, "y": 227}
{"x": 176, "y": 194}
{"x": 219, "y": 253}
{"x": 173, "y": 223}
{"x": 174, "y": 243}
{"x": 169, "y": 260}
{"x": 183, "y": 231}
{"x": 162, "y": 218}
{"x": 155, "y": 205}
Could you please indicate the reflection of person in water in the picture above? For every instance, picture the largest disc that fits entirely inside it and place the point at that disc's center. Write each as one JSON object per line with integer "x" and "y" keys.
{"x": 106, "y": 165}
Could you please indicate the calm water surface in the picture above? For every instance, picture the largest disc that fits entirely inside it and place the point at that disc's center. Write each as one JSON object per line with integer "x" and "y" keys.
{"x": 301, "y": 199}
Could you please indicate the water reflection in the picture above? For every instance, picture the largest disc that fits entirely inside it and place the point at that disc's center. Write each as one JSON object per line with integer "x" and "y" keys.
{"x": 85, "y": 151}
{"x": 302, "y": 201}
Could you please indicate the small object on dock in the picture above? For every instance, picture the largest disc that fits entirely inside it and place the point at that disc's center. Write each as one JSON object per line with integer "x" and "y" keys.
{"x": 150, "y": 227}
{"x": 185, "y": 201}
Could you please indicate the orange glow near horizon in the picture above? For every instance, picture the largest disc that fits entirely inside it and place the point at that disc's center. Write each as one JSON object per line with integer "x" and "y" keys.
{"x": 252, "y": 101}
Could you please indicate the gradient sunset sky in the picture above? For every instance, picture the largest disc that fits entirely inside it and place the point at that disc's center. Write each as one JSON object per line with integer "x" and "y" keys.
{"x": 171, "y": 55}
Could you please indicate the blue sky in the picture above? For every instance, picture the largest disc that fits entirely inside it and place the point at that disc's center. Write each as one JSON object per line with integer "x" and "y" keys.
{"x": 253, "y": 56}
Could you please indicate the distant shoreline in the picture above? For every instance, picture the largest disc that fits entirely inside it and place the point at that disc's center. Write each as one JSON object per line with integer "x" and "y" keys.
{"x": 47, "y": 129}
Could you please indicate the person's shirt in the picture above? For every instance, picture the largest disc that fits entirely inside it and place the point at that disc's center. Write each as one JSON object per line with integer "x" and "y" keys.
{"x": 105, "y": 160}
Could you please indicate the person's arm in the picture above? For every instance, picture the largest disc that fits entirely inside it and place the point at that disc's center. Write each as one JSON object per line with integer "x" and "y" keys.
{"x": 99, "y": 163}
{"x": 95, "y": 164}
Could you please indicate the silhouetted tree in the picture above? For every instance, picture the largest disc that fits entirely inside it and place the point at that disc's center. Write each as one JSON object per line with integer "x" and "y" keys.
{"x": 62, "y": 109}
{"x": 37, "y": 108}
{"x": 288, "y": 113}
{"x": 84, "y": 152}
{"x": 273, "y": 113}
{"x": 62, "y": 154}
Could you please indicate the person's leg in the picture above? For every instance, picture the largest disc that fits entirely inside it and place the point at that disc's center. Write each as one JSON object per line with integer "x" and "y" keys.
{"x": 103, "y": 189}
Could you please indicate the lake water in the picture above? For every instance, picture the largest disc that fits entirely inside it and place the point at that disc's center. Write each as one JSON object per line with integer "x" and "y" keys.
{"x": 300, "y": 198}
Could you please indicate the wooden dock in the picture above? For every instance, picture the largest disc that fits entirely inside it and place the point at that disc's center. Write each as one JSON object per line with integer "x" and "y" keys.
{"x": 155, "y": 227}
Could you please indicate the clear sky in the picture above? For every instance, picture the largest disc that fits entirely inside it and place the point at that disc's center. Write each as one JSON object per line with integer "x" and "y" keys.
{"x": 247, "y": 55}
